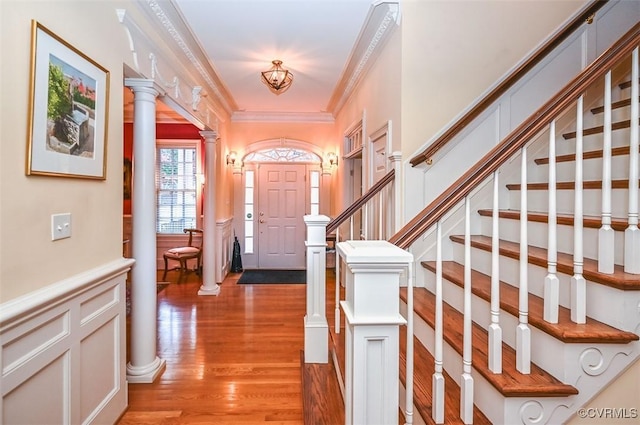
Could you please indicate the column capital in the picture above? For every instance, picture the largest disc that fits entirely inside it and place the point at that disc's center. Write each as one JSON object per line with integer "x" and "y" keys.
{"x": 144, "y": 84}
{"x": 209, "y": 136}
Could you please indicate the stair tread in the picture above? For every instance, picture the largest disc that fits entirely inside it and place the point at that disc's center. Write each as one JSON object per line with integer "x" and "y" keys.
{"x": 617, "y": 151}
{"x": 625, "y": 84}
{"x": 587, "y": 184}
{"x": 565, "y": 330}
{"x": 590, "y": 221}
{"x": 619, "y": 125}
{"x": 510, "y": 382}
{"x": 422, "y": 390}
{"x": 615, "y": 105}
{"x": 538, "y": 256}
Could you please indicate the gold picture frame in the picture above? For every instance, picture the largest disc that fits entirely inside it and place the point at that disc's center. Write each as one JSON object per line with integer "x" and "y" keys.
{"x": 68, "y": 110}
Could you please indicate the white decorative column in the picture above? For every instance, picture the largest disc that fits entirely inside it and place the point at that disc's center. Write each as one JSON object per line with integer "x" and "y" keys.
{"x": 372, "y": 315}
{"x": 144, "y": 366}
{"x": 316, "y": 328}
{"x": 209, "y": 284}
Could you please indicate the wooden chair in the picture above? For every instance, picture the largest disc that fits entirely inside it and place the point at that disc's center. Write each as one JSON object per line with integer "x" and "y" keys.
{"x": 182, "y": 254}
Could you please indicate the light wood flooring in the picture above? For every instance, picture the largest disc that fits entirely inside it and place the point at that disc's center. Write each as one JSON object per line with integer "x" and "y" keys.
{"x": 231, "y": 359}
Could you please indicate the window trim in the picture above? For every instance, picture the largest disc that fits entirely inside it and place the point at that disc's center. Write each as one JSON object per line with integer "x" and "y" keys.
{"x": 184, "y": 144}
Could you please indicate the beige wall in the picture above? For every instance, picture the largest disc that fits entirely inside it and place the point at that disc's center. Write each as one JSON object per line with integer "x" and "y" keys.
{"x": 242, "y": 134}
{"x": 623, "y": 395}
{"x": 454, "y": 51}
{"x": 28, "y": 258}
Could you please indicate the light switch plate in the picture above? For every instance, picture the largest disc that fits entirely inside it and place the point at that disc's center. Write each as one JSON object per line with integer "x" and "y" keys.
{"x": 60, "y": 226}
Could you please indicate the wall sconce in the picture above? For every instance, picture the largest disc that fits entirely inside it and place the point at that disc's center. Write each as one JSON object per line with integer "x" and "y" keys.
{"x": 231, "y": 158}
{"x": 332, "y": 158}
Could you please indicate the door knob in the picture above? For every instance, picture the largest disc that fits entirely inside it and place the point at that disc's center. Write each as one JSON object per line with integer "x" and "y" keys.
{"x": 261, "y": 221}
{"x": 261, "y": 213}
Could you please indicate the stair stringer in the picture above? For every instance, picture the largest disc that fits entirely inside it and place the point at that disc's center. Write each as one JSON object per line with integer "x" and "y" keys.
{"x": 588, "y": 367}
{"x": 496, "y": 407}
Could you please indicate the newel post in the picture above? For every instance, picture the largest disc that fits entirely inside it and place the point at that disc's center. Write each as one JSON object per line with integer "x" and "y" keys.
{"x": 316, "y": 328}
{"x": 372, "y": 315}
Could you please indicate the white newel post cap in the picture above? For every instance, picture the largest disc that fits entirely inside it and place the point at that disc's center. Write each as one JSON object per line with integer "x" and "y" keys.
{"x": 316, "y": 229}
{"x": 375, "y": 267}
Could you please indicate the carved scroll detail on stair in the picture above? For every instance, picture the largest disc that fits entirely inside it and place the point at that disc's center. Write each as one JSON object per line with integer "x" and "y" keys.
{"x": 594, "y": 362}
{"x": 531, "y": 412}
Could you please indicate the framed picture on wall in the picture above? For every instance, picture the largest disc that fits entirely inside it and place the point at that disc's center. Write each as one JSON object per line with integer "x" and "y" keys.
{"x": 68, "y": 110}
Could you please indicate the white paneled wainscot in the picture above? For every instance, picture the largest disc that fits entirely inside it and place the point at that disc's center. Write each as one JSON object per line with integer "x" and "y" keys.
{"x": 63, "y": 350}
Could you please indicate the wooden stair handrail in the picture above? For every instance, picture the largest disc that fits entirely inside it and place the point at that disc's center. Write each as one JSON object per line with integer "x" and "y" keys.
{"x": 359, "y": 203}
{"x": 515, "y": 140}
{"x": 506, "y": 84}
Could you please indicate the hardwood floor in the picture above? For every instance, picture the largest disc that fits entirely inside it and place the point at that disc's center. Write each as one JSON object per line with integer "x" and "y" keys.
{"x": 231, "y": 359}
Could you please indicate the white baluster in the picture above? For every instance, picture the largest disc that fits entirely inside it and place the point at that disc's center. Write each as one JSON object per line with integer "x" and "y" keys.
{"x": 437, "y": 383}
{"x": 551, "y": 282}
{"x": 578, "y": 283}
{"x": 632, "y": 233}
{"x": 337, "y": 308}
{"x": 466, "y": 382}
{"x": 408, "y": 413}
{"x": 381, "y": 234}
{"x": 523, "y": 333}
{"x": 606, "y": 234}
{"x": 351, "y": 227}
{"x": 495, "y": 331}
{"x": 366, "y": 210}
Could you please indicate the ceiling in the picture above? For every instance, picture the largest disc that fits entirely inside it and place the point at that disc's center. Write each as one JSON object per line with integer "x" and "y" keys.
{"x": 313, "y": 38}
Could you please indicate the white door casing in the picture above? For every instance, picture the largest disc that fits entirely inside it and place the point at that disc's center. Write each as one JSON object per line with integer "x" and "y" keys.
{"x": 281, "y": 207}
{"x": 378, "y": 207}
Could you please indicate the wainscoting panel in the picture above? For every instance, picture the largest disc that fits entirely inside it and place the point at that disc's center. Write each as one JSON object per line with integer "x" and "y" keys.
{"x": 224, "y": 240}
{"x": 63, "y": 351}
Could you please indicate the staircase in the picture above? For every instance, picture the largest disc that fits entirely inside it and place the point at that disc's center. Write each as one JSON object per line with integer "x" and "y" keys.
{"x": 526, "y": 287}
{"x": 552, "y": 315}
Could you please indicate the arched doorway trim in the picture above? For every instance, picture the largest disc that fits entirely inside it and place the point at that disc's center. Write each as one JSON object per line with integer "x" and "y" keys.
{"x": 283, "y": 150}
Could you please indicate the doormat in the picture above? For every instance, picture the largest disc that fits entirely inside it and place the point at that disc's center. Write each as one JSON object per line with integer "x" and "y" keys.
{"x": 273, "y": 276}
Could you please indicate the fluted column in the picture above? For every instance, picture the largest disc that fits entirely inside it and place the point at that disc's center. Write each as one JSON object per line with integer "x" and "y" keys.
{"x": 209, "y": 285}
{"x": 144, "y": 366}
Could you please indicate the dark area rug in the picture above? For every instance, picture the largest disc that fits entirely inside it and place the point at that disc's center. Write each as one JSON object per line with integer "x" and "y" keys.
{"x": 273, "y": 276}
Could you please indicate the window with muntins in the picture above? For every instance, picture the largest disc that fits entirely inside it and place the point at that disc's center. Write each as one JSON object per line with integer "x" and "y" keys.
{"x": 176, "y": 190}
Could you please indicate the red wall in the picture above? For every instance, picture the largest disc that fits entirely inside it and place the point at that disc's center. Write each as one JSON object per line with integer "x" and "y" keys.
{"x": 163, "y": 131}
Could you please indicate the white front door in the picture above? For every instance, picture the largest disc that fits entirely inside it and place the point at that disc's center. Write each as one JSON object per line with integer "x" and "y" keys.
{"x": 281, "y": 208}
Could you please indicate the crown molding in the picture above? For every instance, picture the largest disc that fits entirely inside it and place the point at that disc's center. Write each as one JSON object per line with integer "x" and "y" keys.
{"x": 309, "y": 117}
{"x": 164, "y": 51}
{"x": 382, "y": 19}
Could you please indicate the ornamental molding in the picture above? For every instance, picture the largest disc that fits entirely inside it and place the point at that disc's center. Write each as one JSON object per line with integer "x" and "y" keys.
{"x": 194, "y": 95}
{"x": 382, "y": 19}
{"x": 308, "y": 117}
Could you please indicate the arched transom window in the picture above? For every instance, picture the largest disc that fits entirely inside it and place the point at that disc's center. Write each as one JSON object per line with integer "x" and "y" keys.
{"x": 282, "y": 154}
